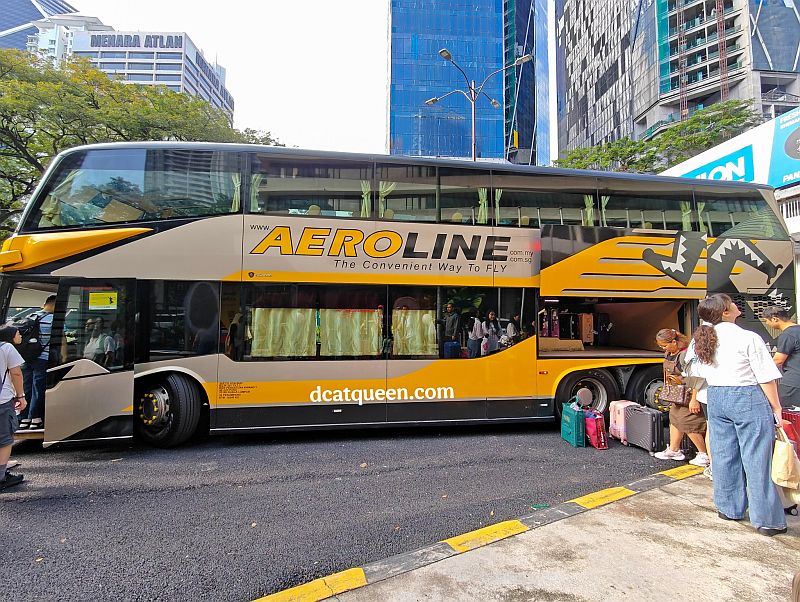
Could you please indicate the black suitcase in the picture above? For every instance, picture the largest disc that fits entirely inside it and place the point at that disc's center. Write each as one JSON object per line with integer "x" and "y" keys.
{"x": 644, "y": 427}
{"x": 602, "y": 328}
{"x": 688, "y": 448}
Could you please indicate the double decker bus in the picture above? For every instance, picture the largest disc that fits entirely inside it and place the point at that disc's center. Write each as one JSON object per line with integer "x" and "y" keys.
{"x": 236, "y": 288}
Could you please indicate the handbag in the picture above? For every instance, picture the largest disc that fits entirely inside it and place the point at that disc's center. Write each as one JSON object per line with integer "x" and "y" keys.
{"x": 674, "y": 391}
{"x": 785, "y": 464}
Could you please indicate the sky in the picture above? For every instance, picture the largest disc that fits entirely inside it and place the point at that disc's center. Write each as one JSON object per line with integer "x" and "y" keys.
{"x": 311, "y": 72}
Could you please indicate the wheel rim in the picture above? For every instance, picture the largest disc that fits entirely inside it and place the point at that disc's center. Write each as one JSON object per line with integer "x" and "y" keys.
{"x": 651, "y": 395}
{"x": 154, "y": 410}
{"x": 598, "y": 390}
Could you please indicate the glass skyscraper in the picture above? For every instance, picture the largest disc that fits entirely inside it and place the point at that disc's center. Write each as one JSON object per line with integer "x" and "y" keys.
{"x": 17, "y": 16}
{"x": 472, "y": 30}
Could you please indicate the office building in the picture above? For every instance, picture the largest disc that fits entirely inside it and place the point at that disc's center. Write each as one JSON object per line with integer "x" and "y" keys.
{"x": 142, "y": 57}
{"x": 635, "y": 67}
{"x": 482, "y": 36}
{"x": 17, "y": 17}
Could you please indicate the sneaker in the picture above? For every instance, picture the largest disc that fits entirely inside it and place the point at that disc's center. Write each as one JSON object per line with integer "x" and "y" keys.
{"x": 707, "y": 473}
{"x": 10, "y": 480}
{"x": 11, "y": 464}
{"x": 24, "y": 424}
{"x": 37, "y": 424}
{"x": 700, "y": 459}
{"x": 770, "y": 532}
{"x": 668, "y": 454}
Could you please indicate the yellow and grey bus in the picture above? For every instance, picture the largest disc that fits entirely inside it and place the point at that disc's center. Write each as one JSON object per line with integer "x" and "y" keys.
{"x": 236, "y": 288}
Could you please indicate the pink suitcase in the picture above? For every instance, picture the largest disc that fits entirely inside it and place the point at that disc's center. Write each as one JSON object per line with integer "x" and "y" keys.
{"x": 616, "y": 427}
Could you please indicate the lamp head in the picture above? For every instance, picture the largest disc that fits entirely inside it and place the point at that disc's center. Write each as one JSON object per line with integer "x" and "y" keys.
{"x": 523, "y": 59}
{"x": 495, "y": 104}
{"x": 431, "y": 101}
{"x": 445, "y": 54}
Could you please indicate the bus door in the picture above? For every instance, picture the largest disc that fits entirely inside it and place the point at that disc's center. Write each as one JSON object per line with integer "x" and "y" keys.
{"x": 90, "y": 379}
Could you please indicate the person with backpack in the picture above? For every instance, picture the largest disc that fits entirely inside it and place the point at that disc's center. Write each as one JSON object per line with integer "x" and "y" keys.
{"x": 10, "y": 401}
{"x": 35, "y": 350}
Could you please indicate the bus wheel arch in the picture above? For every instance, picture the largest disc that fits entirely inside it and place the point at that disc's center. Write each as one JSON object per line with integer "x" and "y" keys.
{"x": 599, "y": 381}
{"x": 168, "y": 408}
{"x": 644, "y": 386}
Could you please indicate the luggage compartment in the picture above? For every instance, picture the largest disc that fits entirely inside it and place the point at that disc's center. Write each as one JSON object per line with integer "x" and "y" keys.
{"x": 590, "y": 328}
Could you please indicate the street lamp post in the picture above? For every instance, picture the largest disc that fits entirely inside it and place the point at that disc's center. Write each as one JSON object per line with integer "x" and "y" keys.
{"x": 474, "y": 92}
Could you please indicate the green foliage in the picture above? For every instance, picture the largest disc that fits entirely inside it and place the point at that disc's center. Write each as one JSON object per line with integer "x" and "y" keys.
{"x": 701, "y": 131}
{"x": 45, "y": 109}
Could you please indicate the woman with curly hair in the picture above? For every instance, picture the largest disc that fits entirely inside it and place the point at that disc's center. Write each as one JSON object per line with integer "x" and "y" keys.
{"x": 742, "y": 406}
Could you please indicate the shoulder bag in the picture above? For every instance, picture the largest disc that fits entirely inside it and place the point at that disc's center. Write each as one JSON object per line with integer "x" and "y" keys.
{"x": 673, "y": 391}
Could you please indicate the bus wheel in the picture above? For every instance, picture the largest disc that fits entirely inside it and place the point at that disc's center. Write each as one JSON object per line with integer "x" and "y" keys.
{"x": 645, "y": 385}
{"x": 600, "y": 383}
{"x": 167, "y": 411}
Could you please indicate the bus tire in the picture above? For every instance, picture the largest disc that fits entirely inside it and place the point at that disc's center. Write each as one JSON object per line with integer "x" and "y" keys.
{"x": 167, "y": 411}
{"x": 644, "y": 386}
{"x": 600, "y": 382}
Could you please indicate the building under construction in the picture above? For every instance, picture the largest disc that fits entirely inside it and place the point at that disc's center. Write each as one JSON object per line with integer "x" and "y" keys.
{"x": 635, "y": 67}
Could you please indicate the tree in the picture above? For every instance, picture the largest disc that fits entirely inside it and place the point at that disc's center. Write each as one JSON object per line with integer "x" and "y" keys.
{"x": 685, "y": 139}
{"x": 45, "y": 109}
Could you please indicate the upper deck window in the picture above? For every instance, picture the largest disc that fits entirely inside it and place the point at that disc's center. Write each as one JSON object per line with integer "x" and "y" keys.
{"x": 738, "y": 214}
{"x": 311, "y": 187}
{"x": 128, "y": 185}
{"x": 535, "y": 201}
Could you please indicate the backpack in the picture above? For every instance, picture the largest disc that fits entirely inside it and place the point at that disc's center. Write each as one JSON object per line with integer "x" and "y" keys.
{"x": 31, "y": 346}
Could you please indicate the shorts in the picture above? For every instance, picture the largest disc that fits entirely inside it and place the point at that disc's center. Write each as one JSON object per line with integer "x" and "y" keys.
{"x": 8, "y": 423}
{"x": 789, "y": 396}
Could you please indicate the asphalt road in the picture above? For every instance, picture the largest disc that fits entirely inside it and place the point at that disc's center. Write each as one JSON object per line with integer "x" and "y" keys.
{"x": 234, "y": 518}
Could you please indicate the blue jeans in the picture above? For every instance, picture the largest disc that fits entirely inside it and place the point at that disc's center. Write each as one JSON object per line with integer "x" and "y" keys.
{"x": 474, "y": 346}
{"x": 34, "y": 377}
{"x": 742, "y": 433}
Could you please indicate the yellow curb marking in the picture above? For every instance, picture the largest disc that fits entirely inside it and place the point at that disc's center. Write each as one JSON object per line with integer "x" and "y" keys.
{"x": 682, "y": 472}
{"x": 486, "y": 535}
{"x": 602, "y": 497}
{"x": 319, "y": 589}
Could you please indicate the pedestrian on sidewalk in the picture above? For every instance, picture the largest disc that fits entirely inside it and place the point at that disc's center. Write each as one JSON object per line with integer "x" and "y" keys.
{"x": 682, "y": 419}
{"x": 787, "y": 356}
{"x": 12, "y": 400}
{"x": 742, "y": 408}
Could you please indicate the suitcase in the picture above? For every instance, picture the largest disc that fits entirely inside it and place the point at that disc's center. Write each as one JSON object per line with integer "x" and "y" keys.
{"x": 792, "y": 416}
{"x": 602, "y": 326}
{"x": 568, "y": 326}
{"x": 596, "y": 429}
{"x": 452, "y": 349}
{"x": 644, "y": 428}
{"x": 586, "y": 327}
{"x": 573, "y": 426}
{"x": 616, "y": 427}
{"x": 687, "y": 447}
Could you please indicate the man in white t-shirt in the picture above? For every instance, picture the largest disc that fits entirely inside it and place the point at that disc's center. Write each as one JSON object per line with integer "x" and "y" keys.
{"x": 99, "y": 346}
{"x": 11, "y": 401}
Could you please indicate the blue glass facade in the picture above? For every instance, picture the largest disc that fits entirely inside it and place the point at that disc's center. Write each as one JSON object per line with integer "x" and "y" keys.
{"x": 21, "y": 12}
{"x": 472, "y": 30}
{"x": 527, "y": 119}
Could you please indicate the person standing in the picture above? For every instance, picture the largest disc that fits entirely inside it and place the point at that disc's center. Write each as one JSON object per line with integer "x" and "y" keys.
{"x": 787, "y": 356}
{"x": 34, "y": 372}
{"x": 474, "y": 333}
{"x": 742, "y": 409}
{"x": 492, "y": 331}
{"x": 452, "y": 326}
{"x": 682, "y": 418}
{"x": 11, "y": 402}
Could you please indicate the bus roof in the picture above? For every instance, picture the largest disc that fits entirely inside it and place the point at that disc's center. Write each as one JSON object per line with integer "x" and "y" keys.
{"x": 281, "y": 151}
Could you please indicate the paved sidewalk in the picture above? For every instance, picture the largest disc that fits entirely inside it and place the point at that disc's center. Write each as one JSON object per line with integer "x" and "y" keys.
{"x": 666, "y": 543}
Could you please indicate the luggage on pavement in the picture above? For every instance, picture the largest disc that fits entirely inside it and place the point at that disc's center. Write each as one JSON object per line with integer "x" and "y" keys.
{"x": 596, "y": 429}
{"x": 616, "y": 427}
{"x": 573, "y": 425}
{"x": 644, "y": 428}
{"x": 688, "y": 448}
